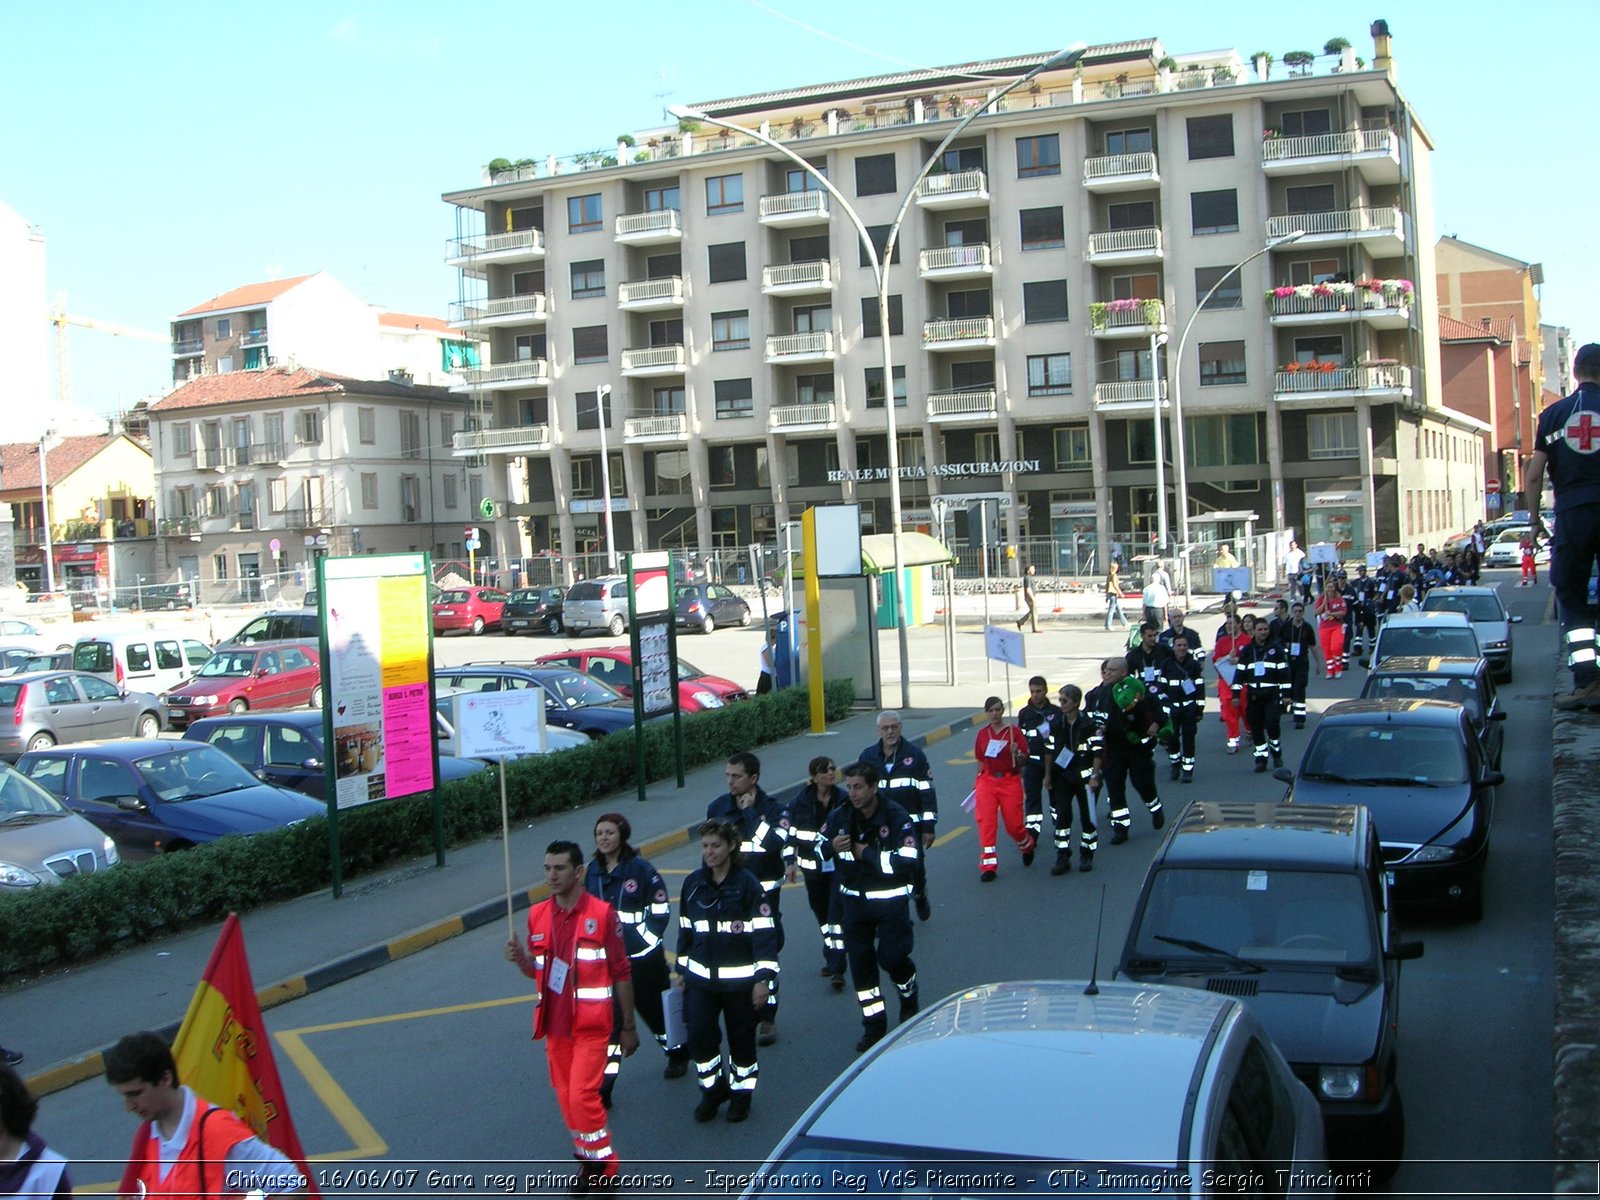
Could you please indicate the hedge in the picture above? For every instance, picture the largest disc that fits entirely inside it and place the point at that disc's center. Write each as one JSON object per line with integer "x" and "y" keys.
{"x": 89, "y": 915}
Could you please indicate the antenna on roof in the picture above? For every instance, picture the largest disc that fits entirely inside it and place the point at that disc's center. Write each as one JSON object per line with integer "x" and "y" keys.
{"x": 1093, "y": 988}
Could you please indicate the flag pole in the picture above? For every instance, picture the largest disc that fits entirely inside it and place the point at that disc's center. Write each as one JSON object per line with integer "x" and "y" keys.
{"x": 505, "y": 846}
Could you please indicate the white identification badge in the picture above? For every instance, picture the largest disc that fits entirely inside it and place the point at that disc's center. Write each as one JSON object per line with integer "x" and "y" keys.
{"x": 1188, "y": 687}
{"x": 1064, "y": 759}
{"x": 992, "y": 750}
{"x": 1149, "y": 674}
{"x": 558, "y": 975}
{"x": 1260, "y": 671}
{"x": 1294, "y": 649}
{"x": 827, "y": 865}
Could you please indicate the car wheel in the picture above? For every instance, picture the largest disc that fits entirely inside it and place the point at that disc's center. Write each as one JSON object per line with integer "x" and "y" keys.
{"x": 147, "y": 726}
{"x": 477, "y": 626}
{"x": 41, "y": 741}
{"x": 744, "y": 618}
{"x": 708, "y": 624}
{"x": 617, "y": 625}
{"x": 552, "y": 626}
{"x": 237, "y": 707}
{"x": 316, "y": 697}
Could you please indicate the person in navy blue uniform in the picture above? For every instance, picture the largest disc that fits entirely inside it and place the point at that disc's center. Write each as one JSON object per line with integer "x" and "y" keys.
{"x": 764, "y": 830}
{"x": 1183, "y": 692}
{"x": 1145, "y": 659}
{"x": 1363, "y": 594}
{"x": 1299, "y": 641}
{"x": 1132, "y": 718}
{"x": 874, "y": 844}
{"x": 627, "y": 882}
{"x": 1568, "y": 443}
{"x": 1076, "y": 738}
{"x": 904, "y": 777}
{"x": 1177, "y": 629}
{"x": 727, "y": 962}
{"x": 808, "y": 812}
{"x": 1035, "y": 720}
{"x": 1264, "y": 667}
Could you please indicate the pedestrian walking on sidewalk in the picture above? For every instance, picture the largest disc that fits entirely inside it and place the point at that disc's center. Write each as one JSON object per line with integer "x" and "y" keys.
{"x": 1001, "y": 751}
{"x": 27, "y": 1166}
{"x": 808, "y": 812}
{"x": 905, "y": 777}
{"x": 1030, "y": 602}
{"x": 583, "y": 977}
{"x": 627, "y": 882}
{"x": 1114, "y": 596}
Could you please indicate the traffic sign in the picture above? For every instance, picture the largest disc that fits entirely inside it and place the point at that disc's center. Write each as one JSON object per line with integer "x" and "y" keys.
{"x": 1492, "y": 486}
{"x": 486, "y": 509}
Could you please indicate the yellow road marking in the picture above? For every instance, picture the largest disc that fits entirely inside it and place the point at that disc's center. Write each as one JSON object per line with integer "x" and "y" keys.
{"x": 954, "y": 833}
{"x": 364, "y": 1138}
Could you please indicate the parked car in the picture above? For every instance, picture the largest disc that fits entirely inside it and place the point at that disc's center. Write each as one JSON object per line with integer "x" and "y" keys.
{"x": 157, "y": 596}
{"x": 1416, "y": 764}
{"x": 156, "y": 797}
{"x": 469, "y": 609}
{"x": 69, "y": 706}
{"x": 16, "y": 658}
{"x": 446, "y": 718}
{"x": 286, "y": 749}
{"x": 15, "y": 632}
{"x": 1296, "y": 899}
{"x": 572, "y": 700}
{"x": 54, "y": 660}
{"x": 613, "y": 666}
{"x": 1464, "y": 681}
{"x": 533, "y": 610}
{"x": 704, "y": 606}
{"x": 1506, "y": 549}
{"x": 279, "y": 675}
{"x": 596, "y": 604}
{"x": 41, "y": 841}
{"x": 1488, "y": 616}
{"x": 1424, "y": 635}
{"x": 151, "y": 660}
{"x": 1023, "y": 1079}
{"x": 280, "y": 625}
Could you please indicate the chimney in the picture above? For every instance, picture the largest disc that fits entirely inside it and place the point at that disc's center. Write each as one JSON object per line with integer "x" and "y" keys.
{"x": 1382, "y": 55}
{"x": 401, "y": 376}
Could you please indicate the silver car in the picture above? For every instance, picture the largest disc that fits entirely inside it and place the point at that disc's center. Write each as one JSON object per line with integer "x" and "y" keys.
{"x": 49, "y": 707}
{"x": 41, "y": 842}
{"x": 1490, "y": 621}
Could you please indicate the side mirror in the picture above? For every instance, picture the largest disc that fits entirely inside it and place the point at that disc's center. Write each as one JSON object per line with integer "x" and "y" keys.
{"x": 130, "y": 803}
{"x": 312, "y": 764}
{"x": 1516, "y": 620}
{"x": 261, "y": 672}
{"x": 1283, "y": 775}
{"x": 1498, "y": 714}
{"x": 1404, "y": 951}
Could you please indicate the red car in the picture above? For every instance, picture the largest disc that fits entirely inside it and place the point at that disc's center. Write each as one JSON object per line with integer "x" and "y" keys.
{"x": 473, "y": 609}
{"x": 613, "y": 665}
{"x": 286, "y": 675}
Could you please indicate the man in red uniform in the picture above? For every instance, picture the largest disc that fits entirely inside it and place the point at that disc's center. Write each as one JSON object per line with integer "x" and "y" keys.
{"x": 576, "y": 958}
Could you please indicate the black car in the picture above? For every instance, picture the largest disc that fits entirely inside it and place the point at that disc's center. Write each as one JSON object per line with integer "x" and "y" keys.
{"x": 704, "y": 606}
{"x": 1418, "y": 766}
{"x": 533, "y": 610}
{"x": 285, "y": 748}
{"x": 571, "y": 699}
{"x": 1468, "y": 682}
{"x": 1287, "y": 907}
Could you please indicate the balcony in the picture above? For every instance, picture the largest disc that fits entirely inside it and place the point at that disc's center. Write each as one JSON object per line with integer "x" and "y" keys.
{"x": 474, "y": 254}
{"x": 654, "y": 360}
{"x": 1374, "y": 152}
{"x": 522, "y": 439}
{"x": 651, "y": 295}
{"x": 210, "y": 458}
{"x": 314, "y": 516}
{"x": 798, "y": 279}
{"x": 670, "y": 427}
{"x": 188, "y": 347}
{"x": 1382, "y": 230}
{"x": 183, "y": 526}
{"x": 794, "y": 208}
{"x": 530, "y": 372}
{"x": 1121, "y": 172}
{"x": 256, "y": 454}
{"x": 1124, "y": 246}
{"x": 803, "y": 418}
{"x": 654, "y": 228}
{"x": 1127, "y": 318}
{"x": 815, "y": 347}
{"x": 1388, "y": 307}
{"x": 969, "y": 261}
{"x": 1385, "y": 381}
{"x": 958, "y": 333}
{"x": 974, "y": 404}
{"x": 252, "y": 338}
{"x": 507, "y": 310}
{"x": 953, "y": 189}
{"x": 1124, "y": 394}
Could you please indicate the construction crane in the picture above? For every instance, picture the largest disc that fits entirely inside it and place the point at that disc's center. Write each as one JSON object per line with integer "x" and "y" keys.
{"x": 60, "y": 318}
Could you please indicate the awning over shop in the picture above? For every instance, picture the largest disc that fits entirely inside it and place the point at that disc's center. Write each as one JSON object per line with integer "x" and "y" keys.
{"x": 877, "y": 553}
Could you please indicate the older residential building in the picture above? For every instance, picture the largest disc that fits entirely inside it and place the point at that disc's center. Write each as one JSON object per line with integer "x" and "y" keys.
{"x": 263, "y": 471}
{"x": 725, "y": 299}
{"x": 1558, "y": 352}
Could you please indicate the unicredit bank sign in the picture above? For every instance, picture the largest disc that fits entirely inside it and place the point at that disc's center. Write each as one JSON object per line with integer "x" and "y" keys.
{"x": 1022, "y": 466}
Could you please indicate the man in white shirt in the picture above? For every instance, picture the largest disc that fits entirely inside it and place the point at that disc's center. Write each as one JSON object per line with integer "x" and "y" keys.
{"x": 1292, "y": 560}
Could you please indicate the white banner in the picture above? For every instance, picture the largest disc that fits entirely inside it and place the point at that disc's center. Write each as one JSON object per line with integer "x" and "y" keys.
{"x": 500, "y": 724}
{"x": 1004, "y": 645}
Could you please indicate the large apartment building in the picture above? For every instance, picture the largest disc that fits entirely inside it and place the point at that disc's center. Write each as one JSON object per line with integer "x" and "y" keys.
{"x": 726, "y": 300}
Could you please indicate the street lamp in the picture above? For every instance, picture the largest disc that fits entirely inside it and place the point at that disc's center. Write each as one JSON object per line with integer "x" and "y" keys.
{"x": 602, "y": 395}
{"x": 46, "y": 442}
{"x": 880, "y": 269}
{"x": 1181, "y": 470}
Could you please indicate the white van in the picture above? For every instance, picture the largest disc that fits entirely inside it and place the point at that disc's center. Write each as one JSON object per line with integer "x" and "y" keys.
{"x": 142, "y": 660}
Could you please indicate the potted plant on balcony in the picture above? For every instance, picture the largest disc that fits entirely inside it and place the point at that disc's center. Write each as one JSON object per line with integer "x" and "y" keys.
{"x": 1263, "y": 60}
{"x": 1299, "y": 61}
{"x": 1164, "y": 69}
{"x": 1223, "y": 74}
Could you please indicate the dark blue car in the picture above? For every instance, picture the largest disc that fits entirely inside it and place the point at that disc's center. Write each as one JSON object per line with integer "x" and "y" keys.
{"x": 572, "y": 700}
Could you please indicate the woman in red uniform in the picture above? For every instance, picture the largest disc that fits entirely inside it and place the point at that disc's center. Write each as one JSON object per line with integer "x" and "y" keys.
{"x": 1230, "y": 699}
{"x": 1001, "y": 750}
{"x": 1332, "y": 609}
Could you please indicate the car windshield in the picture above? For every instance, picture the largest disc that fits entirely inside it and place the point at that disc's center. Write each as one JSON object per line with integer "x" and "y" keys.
{"x": 193, "y": 772}
{"x": 576, "y": 690}
{"x": 1512, "y": 535}
{"x": 588, "y": 590}
{"x": 687, "y": 670}
{"x": 1452, "y": 688}
{"x": 1387, "y": 753}
{"x": 1439, "y": 641}
{"x": 21, "y": 799}
{"x": 1268, "y": 915}
{"x": 1475, "y": 608}
{"x": 228, "y": 664}
{"x": 525, "y": 596}
{"x": 454, "y": 596}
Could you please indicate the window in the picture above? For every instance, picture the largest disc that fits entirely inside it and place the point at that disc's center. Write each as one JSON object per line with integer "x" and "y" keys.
{"x": 797, "y": 179}
{"x": 586, "y": 405}
{"x": 410, "y": 435}
{"x": 1222, "y": 441}
{"x": 1136, "y": 214}
{"x": 527, "y": 283}
{"x": 724, "y": 194}
{"x": 219, "y": 565}
{"x": 369, "y": 489}
{"x": 366, "y": 426}
{"x": 1049, "y": 374}
{"x": 874, "y": 382}
{"x": 308, "y": 427}
{"x": 661, "y": 199}
{"x": 451, "y": 488}
{"x": 871, "y": 327}
{"x": 588, "y": 278}
{"x": 183, "y": 439}
{"x": 530, "y": 217}
{"x": 584, "y": 213}
{"x": 224, "y": 327}
{"x": 528, "y": 347}
{"x": 1306, "y": 122}
{"x": 1044, "y": 300}
{"x": 813, "y": 389}
{"x": 1072, "y": 447}
{"x": 1043, "y": 228}
{"x": 1141, "y": 443}
{"x": 1143, "y": 286}
{"x": 962, "y": 158}
{"x": 447, "y": 430}
{"x": 663, "y": 266}
{"x": 183, "y": 502}
{"x": 975, "y": 374}
{"x": 1221, "y": 362}
{"x": 1215, "y": 212}
{"x": 1315, "y": 270}
{"x": 670, "y": 471}
{"x": 1038, "y": 155}
{"x": 410, "y": 499}
{"x": 730, "y": 330}
{"x": 1314, "y": 198}
{"x": 589, "y": 344}
{"x": 720, "y": 464}
{"x": 811, "y": 318}
{"x": 1332, "y": 435}
{"x": 669, "y": 401}
{"x": 880, "y": 238}
{"x": 726, "y": 261}
{"x": 1211, "y": 137}
{"x": 875, "y": 175}
{"x": 225, "y": 364}
{"x": 734, "y": 398}
{"x": 1129, "y": 141}
{"x": 666, "y": 332}
{"x": 583, "y": 474}
{"x": 977, "y": 303}
{"x": 1229, "y": 295}
{"x": 1319, "y": 349}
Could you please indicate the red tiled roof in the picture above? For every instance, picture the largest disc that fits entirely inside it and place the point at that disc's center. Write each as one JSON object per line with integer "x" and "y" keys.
{"x": 398, "y": 320}
{"x": 19, "y": 461}
{"x": 1452, "y": 330}
{"x": 239, "y": 387}
{"x": 245, "y": 297}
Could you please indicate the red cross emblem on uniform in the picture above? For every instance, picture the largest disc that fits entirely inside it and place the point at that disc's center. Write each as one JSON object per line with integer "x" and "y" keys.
{"x": 1582, "y": 434}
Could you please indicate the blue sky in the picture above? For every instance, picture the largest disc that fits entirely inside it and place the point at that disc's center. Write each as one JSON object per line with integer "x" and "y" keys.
{"x": 171, "y": 151}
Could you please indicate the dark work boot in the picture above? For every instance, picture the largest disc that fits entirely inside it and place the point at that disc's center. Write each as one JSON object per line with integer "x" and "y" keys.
{"x": 1063, "y": 862}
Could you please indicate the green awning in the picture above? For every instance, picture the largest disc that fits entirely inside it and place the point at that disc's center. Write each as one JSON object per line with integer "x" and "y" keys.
{"x": 877, "y": 553}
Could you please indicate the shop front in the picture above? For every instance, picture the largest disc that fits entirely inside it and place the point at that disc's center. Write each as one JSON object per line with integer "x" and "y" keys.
{"x": 1336, "y": 513}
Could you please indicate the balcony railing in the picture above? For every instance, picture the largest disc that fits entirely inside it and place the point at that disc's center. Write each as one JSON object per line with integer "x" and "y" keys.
{"x": 254, "y": 454}
{"x": 208, "y": 458}
{"x": 174, "y": 526}
{"x": 252, "y": 338}
{"x": 788, "y": 345}
{"x": 1112, "y": 165}
{"x": 529, "y": 370}
{"x": 1127, "y": 392}
{"x": 1382, "y": 378}
{"x": 961, "y": 186}
{"x": 655, "y": 358}
{"x": 184, "y": 347}
{"x": 668, "y": 291}
{"x": 309, "y": 517}
{"x": 797, "y": 416}
{"x": 973, "y": 256}
{"x": 532, "y": 305}
{"x": 1127, "y": 315}
{"x": 673, "y": 425}
{"x": 662, "y": 221}
{"x": 1340, "y": 221}
{"x": 521, "y": 242}
{"x": 1323, "y": 145}
{"x": 520, "y": 437}
{"x": 958, "y": 329}
{"x": 973, "y": 402}
{"x": 1125, "y": 241}
{"x": 1357, "y": 301}
{"x": 795, "y": 205}
{"x": 816, "y": 273}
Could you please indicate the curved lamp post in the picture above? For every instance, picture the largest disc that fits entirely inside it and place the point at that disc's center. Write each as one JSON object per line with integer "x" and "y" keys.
{"x": 880, "y": 269}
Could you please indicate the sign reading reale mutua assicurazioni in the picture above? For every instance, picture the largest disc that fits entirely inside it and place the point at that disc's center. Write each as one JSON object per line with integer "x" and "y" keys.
{"x": 1020, "y": 466}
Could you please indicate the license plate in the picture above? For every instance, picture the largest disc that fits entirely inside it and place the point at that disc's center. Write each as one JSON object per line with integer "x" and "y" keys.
{"x": 577, "y": 622}
{"x": 177, "y": 712}
{"x": 516, "y": 624}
